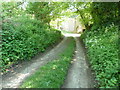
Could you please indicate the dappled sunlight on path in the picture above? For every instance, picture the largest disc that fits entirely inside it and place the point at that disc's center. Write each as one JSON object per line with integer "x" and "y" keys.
{"x": 79, "y": 73}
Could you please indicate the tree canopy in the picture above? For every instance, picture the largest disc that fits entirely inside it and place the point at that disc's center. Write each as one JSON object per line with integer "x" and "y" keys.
{"x": 97, "y": 13}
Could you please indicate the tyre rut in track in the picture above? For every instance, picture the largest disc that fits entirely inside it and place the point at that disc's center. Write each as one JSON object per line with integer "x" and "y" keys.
{"x": 79, "y": 74}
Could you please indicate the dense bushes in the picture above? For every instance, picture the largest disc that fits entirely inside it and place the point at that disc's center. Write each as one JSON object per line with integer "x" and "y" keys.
{"x": 102, "y": 44}
{"x": 23, "y": 37}
{"x": 101, "y": 39}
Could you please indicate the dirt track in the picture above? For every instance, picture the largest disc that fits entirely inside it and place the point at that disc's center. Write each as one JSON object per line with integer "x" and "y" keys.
{"x": 14, "y": 79}
{"x": 79, "y": 74}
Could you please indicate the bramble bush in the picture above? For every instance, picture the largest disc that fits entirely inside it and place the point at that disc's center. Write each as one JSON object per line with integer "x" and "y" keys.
{"x": 22, "y": 38}
{"x": 102, "y": 49}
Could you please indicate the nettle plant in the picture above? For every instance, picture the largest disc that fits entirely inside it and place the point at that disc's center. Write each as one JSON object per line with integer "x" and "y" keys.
{"x": 103, "y": 54}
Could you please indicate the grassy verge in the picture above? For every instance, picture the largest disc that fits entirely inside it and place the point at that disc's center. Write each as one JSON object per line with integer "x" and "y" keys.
{"x": 102, "y": 46}
{"x": 51, "y": 75}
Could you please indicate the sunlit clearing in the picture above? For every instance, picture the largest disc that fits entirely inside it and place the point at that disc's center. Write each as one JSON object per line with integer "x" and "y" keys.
{"x": 71, "y": 34}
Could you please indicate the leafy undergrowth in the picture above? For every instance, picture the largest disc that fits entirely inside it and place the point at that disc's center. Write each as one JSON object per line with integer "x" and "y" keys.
{"x": 23, "y": 38}
{"x": 102, "y": 45}
{"x": 51, "y": 75}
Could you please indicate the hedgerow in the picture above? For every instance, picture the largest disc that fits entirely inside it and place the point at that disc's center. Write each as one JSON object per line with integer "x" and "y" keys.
{"x": 102, "y": 49}
{"x": 23, "y": 37}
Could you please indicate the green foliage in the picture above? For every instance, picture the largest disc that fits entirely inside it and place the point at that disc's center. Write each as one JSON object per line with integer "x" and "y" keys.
{"x": 11, "y": 9}
{"x": 101, "y": 40}
{"x": 102, "y": 45}
{"x": 104, "y": 12}
{"x": 97, "y": 13}
{"x": 23, "y": 37}
{"x": 51, "y": 75}
{"x": 41, "y": 10}
{"x": 46, "y": 11}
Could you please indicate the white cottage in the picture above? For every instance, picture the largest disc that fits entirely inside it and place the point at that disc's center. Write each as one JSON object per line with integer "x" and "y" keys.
{"x": 72, "y": 24}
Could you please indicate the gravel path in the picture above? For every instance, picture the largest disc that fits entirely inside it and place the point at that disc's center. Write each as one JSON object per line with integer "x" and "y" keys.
{"x": 79, "y": 74}
{"x": 14, "y": 79}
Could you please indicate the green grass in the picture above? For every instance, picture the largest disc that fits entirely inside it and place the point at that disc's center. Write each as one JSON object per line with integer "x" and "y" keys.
{"x": 51, "y": 75}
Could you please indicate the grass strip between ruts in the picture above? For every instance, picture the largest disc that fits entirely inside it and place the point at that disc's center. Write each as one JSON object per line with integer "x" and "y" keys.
{"x": 52, "y": 75}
